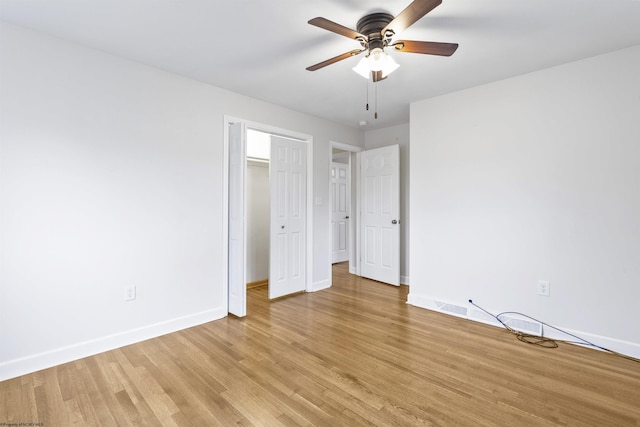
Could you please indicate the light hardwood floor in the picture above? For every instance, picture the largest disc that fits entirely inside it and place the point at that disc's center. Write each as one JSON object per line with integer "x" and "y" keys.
{"x": 355, "y": 354}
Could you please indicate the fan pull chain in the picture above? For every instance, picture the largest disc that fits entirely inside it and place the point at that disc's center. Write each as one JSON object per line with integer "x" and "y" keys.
{"x": 367, "y": 95}
{"x": 376, "y": 102}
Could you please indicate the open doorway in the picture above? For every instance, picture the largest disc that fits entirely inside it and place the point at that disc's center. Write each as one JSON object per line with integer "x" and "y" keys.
{"x": 344, "y": 205}
{"x": 340, "y": 205}
{"x": 258, "y": 208}
{"x": 374, "y": 221}
{"x": 290, "y": 237}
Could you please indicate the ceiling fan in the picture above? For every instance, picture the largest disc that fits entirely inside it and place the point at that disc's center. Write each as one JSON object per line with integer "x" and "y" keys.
{"x": 376, "y": 31}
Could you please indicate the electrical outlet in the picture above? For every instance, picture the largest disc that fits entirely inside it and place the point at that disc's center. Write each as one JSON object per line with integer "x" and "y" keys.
{"x": 130, "y": 293}
{"x": 544, "y": 288}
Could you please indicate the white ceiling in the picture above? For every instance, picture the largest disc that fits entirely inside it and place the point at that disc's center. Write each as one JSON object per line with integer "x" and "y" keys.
{"x": 260, "y": 48}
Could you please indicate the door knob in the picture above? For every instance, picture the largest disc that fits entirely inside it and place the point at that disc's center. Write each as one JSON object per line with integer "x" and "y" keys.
{"x": 346, "y": 217}
{"x": 394, "y": 221}
{"x": 282, "y": 227}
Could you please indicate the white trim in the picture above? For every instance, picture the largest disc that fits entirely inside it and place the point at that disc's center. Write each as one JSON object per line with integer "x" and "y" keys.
{"x": 274, "y": 130}
{"x": 345, "y": 147}
{"x": 309, "y": 269}
{"x": 25, "y": 365}
{"x": 404, "y": 280}
{"x": 322, "y": 284}
{"x": 357, "y": 213}
{"x": 470, "y": 312}
{"x": 254, "y": 161}
{"x": 225, "y": 210}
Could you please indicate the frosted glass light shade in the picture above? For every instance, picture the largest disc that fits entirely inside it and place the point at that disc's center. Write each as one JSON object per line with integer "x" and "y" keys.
{"x": 363, "y": 68}
{"x": 389, "y": 66}
{"x": 377, "y": 60}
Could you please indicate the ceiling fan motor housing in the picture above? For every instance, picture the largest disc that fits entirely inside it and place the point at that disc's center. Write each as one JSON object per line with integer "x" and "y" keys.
{"x": 371, "y": 26}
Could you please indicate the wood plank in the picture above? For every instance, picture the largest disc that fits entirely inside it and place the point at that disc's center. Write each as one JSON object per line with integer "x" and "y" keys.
{"x": 257, "y": 283}
{"x": 354, "y": 354}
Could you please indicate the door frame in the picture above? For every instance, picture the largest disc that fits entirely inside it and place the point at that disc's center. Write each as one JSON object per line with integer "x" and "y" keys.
{"x": 354, "y": 233}
{"x": 308, "y": 139}
{"x": 332, "y": 198}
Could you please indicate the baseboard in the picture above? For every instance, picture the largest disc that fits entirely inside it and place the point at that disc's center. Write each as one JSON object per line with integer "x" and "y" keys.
{"x": 466, "y": 310}
{"x": 257, "y": 283}
{"x": 318, "y": 286}
{"x": 25, "y": 365}
{"x": 404, "y": 280}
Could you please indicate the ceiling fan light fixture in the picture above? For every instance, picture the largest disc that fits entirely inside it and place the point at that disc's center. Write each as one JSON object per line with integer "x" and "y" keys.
{"x": 377, "y": 60}
{"x": 363, "y": 68}
{"x": 376, "y": 31}
{"x": 389, "y": 66}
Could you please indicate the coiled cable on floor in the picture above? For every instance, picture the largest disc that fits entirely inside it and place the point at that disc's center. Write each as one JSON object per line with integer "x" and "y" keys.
{"x": 543, "y": 341}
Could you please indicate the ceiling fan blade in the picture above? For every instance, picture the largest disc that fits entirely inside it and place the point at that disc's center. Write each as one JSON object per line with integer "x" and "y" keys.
{"x": 335, "y": 59}
{"x": 336, "y": 28}
{"x": 429, "y": 48}
{"x": 410, "y": 14}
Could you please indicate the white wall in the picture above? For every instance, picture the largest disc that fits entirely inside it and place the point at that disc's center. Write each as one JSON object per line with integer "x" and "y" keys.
{"x": 534, "y": 178}
{"x": 258, "y": 225}
{"x": 111, "y": 175}
{"x": 390, "y": 136}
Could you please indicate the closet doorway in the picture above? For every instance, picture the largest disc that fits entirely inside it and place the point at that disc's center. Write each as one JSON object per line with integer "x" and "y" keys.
{"x": 283, "y": 253}
{"x": 258, "y": 208}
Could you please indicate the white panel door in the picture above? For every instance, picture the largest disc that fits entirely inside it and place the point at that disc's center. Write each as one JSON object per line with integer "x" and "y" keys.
{"x": 288, "y": 181}
{"x": 237, "y": 231}
{"x": 339, "y": 212}
{"x": 380, "y": 214}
